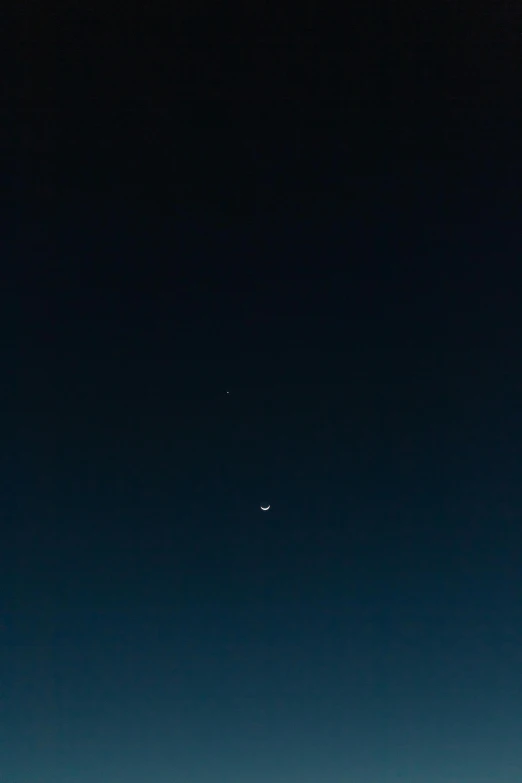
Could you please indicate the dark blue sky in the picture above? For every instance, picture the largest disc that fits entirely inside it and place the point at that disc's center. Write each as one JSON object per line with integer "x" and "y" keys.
{"x": 351, "y": 276}
{"x": 156, "y": 623}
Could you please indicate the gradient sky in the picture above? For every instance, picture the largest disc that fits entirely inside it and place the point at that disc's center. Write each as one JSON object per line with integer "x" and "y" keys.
{"x": 361, "y": 305}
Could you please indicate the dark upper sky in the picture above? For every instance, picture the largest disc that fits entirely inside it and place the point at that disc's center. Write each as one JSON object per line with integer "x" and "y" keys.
{"x": 323, "y": 220}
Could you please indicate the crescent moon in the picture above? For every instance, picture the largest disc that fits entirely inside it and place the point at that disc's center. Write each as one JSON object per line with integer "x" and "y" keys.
{"x": 265, "y": 509}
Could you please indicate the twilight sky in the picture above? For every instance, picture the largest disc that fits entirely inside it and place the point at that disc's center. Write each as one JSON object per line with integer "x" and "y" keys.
{"x": 350, "y": 275}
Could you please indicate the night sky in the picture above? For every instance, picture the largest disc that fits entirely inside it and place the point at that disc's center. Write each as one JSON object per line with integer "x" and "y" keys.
{"x": 247, "y": 262}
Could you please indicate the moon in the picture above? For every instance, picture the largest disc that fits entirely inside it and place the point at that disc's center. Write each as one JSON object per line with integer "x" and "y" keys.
{"x": 263, "y": 508}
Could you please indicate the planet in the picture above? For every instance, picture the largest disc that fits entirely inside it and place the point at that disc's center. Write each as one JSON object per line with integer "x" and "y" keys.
{"x": 265, "y": 508}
